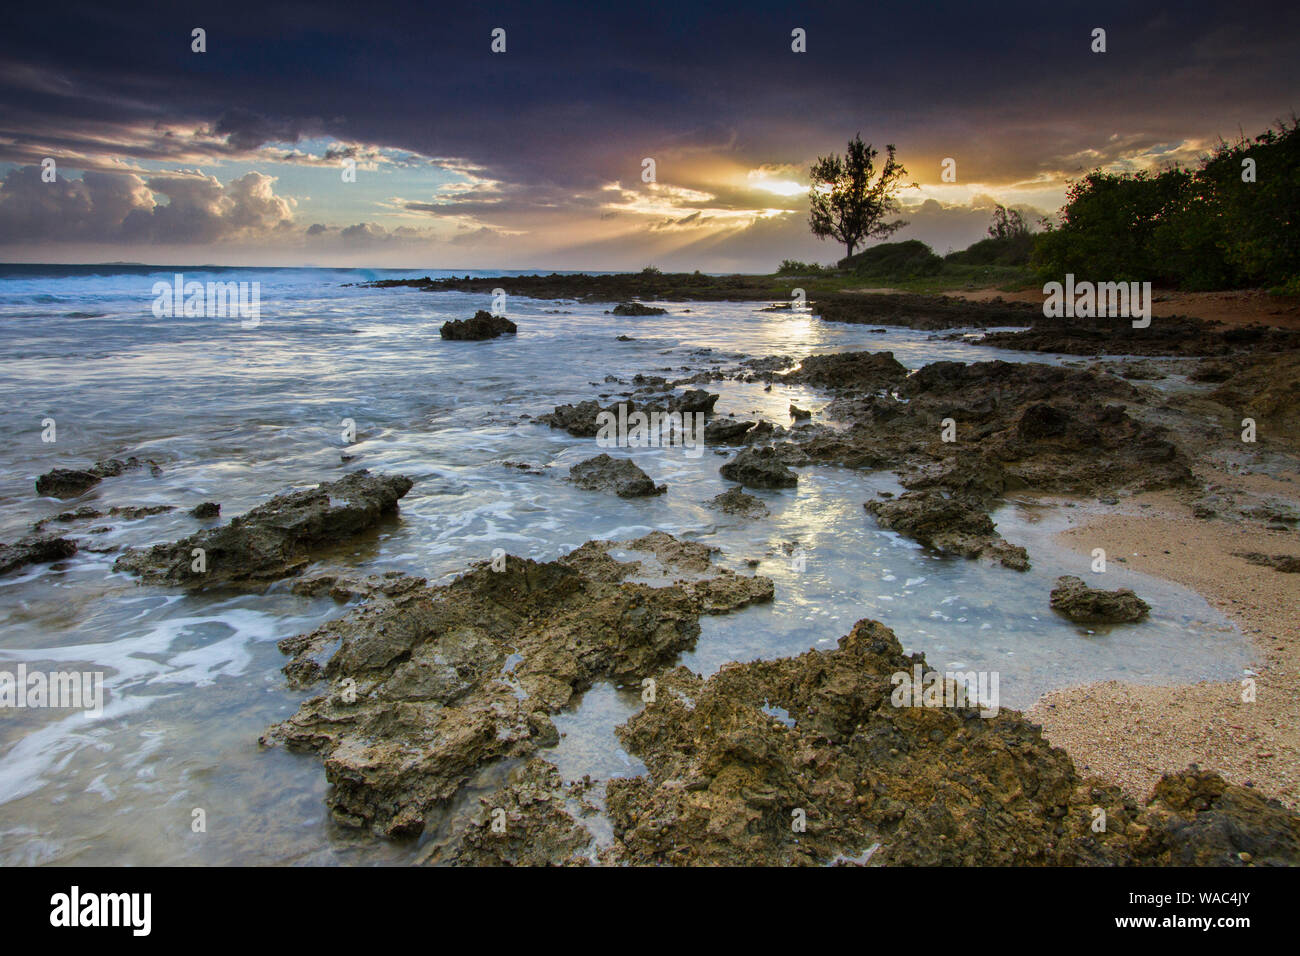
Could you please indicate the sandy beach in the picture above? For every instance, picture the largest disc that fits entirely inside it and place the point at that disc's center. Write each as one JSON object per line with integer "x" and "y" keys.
{"x": 1132, "y": 733}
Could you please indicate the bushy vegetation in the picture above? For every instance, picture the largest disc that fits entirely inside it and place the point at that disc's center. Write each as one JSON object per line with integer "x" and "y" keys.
{"x": 1010, "y": 242}
{"x": 793, "y": 267}
{"x": 913, "y": 266}
{"x": 1202, "y": 228}
{"x": 894, "y": 260}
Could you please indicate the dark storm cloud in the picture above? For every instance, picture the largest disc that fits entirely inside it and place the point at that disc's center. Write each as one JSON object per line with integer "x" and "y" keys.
{"x": 245, "y": 130}
{"x": 586, "y": 91}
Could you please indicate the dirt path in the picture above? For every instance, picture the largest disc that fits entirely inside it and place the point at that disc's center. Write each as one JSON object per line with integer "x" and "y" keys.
{"x": 1245, "y": 307}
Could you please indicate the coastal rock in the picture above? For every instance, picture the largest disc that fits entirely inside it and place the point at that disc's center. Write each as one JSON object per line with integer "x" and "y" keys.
{"x": 868, "y": 371}
{"x": 947, "y": 524}
{"x": 764, "y": 431}
{"x": 273, "y": 540}
{"x": 736, "y": 502}
{"x": 205, "y": 509}
{"x": 1166, "y": 335}
{"x": 484, "y": 325}
{"x": 66, "y": 482}
{"x": 69, "y": 482}
{"x": 133, "y": 512}
{"x": 84, "y": 513}
{"x": 1045, "y": 428}
{"x": 583, "y": 420}
{"x": 1286, "y": 563}
{"x": 578, "y": 420}
{"x": 757, "y": 467}
{"x": 918, "y": 311}
{"x": 346, "y": 587}
{"x": 969, "y": 474}
{"x": 799, "y": 414}
{"x": 1084, "y": 605}
{"x": 1196, "y": 818}
{"x": 636, "y": 308}
{"x": 725, "y": 431}
{"x": 537, "y": 830}
{"x": 878, "y": 775}
{"x": 791, "y": 454}
{"x": 1266, "y": 387}
{"x": 608, "y": 287}
{"x": 619, "y": 475}
{"x": 34, "y": 549}
{"x": 427, "y": 687}
{"x": 693, "y": 400}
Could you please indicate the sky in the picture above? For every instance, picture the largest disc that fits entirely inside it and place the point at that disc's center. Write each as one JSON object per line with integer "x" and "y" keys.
{"x": 120, "y": 142}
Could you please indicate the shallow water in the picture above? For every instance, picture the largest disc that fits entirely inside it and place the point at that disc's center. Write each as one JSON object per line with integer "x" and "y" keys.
{"x": 236, "y": 415}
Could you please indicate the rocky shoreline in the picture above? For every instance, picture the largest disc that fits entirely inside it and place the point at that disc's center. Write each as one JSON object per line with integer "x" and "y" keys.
{"x": 802, "y": 760}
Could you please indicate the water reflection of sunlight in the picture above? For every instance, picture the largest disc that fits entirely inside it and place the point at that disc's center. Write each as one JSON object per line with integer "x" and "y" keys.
{"x": 235, "y": 418}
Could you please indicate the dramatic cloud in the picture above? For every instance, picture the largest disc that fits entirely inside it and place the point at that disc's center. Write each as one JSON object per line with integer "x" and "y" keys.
{"x": 124, "y": 207}
{"x": 537, "y": 152}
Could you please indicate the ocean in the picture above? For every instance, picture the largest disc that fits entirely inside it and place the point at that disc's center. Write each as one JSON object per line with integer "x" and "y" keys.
{"x": 237, "y": 414}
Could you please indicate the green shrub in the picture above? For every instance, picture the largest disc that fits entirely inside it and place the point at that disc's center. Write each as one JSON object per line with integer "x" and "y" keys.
{"x": 1011, "y": 250}
{"x": 1203, "y": 228}
{"x": 894, "y": 260}
{"x": 793, "y": 267}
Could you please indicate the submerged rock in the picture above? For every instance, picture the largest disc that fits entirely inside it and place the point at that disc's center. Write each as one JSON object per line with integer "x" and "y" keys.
{"x": 636, "y": 308}
{"x": 619, "y": 475}
{"x": 273, "y": 540}
{"x": 947, "y": 524}
{"x": 757, "y": 467}
{"x": 736, "y": 502}
{"x": 133, "y": 512}
{"x": 1084, "y": 605}
{"x": 484, "y": 325}
{"x": 34, "y": 549}
{"x": 84, "y": 513}
{"x": 426, "y": 687}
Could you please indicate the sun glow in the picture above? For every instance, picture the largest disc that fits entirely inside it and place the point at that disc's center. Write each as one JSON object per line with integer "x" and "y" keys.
{"x": 782, "y": 187}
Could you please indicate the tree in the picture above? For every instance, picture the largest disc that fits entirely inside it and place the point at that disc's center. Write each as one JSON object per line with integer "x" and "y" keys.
{"x": 1007, "y": 223}
{"x": 845, "y": 204}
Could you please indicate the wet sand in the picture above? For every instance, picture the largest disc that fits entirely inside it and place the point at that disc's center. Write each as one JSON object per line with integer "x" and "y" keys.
{"x": 1133, "y": 733}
